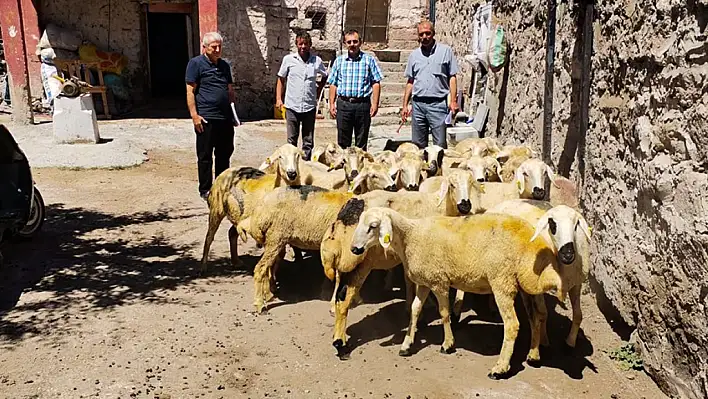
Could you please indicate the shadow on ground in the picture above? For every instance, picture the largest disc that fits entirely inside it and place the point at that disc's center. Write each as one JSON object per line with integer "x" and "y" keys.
{"x": 70, "y": 264}
{"x": 480, "y": 331}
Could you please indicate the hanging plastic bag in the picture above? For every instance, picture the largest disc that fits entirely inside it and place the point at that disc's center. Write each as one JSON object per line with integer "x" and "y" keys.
{"x": 496, "y": 54}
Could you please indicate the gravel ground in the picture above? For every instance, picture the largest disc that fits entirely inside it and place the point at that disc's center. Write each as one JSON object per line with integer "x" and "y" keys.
{"x": 125, "y": 143}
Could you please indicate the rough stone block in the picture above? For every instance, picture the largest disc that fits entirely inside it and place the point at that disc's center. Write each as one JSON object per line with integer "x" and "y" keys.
{"x": 303, "y": 24}
{"x": 75, "y": 120}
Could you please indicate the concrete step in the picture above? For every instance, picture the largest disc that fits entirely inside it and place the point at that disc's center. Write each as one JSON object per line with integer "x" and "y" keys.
{"x": 388, "y": 67}
{"x": 391, "y": 99}
{"x": 394, "y": 77}
{"x": 389, "y": 86}
{"x": 393, "y": 55}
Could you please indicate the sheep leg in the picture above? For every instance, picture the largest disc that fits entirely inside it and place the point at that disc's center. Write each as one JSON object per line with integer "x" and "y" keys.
{"x": 505, "y": 303}
{"x": 261, "y": 276}
{"x": 215, "y": 219}
{"x": 574, "y": 295}
{"x": 333, "y": 301}
{"x": 388, "y": 282}
{"x": 421, "y": 294}
{"x": 531, "y": 304}
{"x": 457, "y": 306}
{"x": 345, "y": 295}
{"x": 442, "y": 294}
{"x": 410, "y": 292}
{"x": 233, "y": 247}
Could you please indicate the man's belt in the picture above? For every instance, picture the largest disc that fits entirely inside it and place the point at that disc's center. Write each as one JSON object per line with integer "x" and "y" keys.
{"x": 354, "y": 99}
{"x": 429, "y": 99}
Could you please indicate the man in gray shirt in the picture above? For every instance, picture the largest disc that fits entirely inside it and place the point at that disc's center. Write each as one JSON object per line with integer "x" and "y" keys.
{"x": 431, "y": 73}
{"x": 302, "y": 91}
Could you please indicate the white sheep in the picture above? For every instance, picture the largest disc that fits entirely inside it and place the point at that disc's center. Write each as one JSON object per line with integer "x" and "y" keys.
{"x": 298, "y": 216}
{"x": 327, "y": 153}
{"x": 350, "y": 271}
{"x": 503, "y": 257}
{"x": 532, "y": 211}
{"x": 291, "y": 170}
{"x": 483, "y": 168}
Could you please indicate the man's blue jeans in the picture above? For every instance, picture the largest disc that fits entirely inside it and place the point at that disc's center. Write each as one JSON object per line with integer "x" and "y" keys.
{"x": 429, "y": 117}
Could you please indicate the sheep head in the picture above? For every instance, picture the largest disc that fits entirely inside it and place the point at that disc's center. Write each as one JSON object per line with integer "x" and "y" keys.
{"x": 563, "y": 223}
{"x": 287, "y": 158}
{"x": 530, "y": 178}
{"x": 353, "y": 161}
{"x": 374, "y": 225}
{"x": 482, "y": 168}
{"x": 328, "y": 154}
{"x": 373, "y": 176}
{"x": 410, "y": 169}
{"x": 461, "y": 187}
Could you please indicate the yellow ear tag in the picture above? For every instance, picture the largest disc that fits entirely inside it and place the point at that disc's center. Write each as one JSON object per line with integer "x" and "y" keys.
{"x": 331, "y": 166}
{"x": 590, "y": 229}
{"x": 268, "y": 160}
{"x": 387, "y": 238}
{"x": 518, "y": 185}
{"x": 481, "y": 187}
{"x": 427, "y": 165}
{"x": 314, "y": 158}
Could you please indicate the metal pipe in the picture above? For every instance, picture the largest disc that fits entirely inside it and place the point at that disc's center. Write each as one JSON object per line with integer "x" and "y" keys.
{"x": 432, "y": 11}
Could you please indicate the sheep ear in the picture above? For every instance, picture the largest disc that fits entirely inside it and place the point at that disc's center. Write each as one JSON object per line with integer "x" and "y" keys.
{"x": 385, "y": 232}
{"x": 463, "y": 166}
{"x": 551, "y": 175}
{"x": 357, "y": 181}
{"x": 520, "y": 180}
{"x": 584, "y": 226}
{"x": 268, "y": 161}
{"x": 541, "y": 225}
{"x": 444, "y": 188}
{"x": 369, "y": 157}
{"x": 498, "y": 166}
{"x": 452, "y": 153}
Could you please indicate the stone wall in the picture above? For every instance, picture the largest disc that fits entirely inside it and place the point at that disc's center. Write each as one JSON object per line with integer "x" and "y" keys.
{"x": 642, "y": 165}
{"x": 256, "y": 38}
{"x": 403, "y": 18}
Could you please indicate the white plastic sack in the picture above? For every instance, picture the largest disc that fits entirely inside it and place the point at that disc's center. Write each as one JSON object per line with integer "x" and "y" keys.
{"x": 52, "y": 86}
{"x": 482, "y": 26}
{"x": 56, "y": 37}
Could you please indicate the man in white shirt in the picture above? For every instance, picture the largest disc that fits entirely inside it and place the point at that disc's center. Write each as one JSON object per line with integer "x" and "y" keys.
{"x": 302, "y": 91}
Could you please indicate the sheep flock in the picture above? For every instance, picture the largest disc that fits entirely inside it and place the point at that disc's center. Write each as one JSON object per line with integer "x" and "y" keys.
{"x": 476, "y": 218}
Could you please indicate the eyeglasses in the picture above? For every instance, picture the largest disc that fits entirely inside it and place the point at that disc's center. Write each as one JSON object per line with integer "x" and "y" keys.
{"x": 351, "y": 41}
{"x": 427, "y": 33}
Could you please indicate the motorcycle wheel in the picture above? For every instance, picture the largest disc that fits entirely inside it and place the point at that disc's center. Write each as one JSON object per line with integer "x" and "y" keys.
{"x": 36, "y": 218}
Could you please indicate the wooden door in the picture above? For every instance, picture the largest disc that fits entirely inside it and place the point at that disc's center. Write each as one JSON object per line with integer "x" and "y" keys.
{"x": 370, "y": 18}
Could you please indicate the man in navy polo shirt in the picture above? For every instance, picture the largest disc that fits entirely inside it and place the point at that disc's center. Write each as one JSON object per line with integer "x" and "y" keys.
{"x": 209, "y": 94}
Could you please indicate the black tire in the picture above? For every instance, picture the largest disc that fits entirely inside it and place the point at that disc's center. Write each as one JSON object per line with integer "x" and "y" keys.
{"x": 36, "y": 217}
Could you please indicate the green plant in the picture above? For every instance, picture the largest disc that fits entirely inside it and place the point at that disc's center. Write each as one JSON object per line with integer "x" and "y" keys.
{"x": 627, "y": 357}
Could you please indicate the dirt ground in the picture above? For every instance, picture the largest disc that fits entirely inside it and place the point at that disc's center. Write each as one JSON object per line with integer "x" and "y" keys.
{"x": 107, "y": 302}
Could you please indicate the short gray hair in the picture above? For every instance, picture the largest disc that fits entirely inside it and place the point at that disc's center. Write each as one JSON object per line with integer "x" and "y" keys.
{"x": 211, "y": 37}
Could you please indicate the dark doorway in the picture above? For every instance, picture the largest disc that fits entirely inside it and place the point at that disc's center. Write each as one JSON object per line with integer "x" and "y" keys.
{"x": 168, "y": 44}
{"x": 370, "y": 18}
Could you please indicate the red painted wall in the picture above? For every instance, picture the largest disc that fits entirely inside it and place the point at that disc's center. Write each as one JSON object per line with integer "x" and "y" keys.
{"x": 208, "y": 18}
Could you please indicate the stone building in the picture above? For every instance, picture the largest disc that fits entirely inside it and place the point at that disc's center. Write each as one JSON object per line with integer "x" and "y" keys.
{"x": 635, "y": 141}
{"x": 158, "y": 37}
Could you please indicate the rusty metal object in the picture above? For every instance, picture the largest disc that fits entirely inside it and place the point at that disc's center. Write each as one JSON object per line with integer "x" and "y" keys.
{"x": 72, "y": 87}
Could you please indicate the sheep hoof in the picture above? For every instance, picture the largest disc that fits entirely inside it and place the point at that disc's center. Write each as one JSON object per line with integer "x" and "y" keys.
{"x": 447, "y": 351}
{"x": 496, "y": 376}
{"x": 342, "y": 350}
{"x": 567, "y": 349}
{"x": 535, "y": 363}
{"x": 405, "y": 352}
{"x": 454, "y": 320}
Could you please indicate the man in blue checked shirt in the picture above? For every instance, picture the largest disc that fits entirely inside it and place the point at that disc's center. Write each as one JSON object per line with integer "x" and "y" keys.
{"x": 355, "y": 80}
